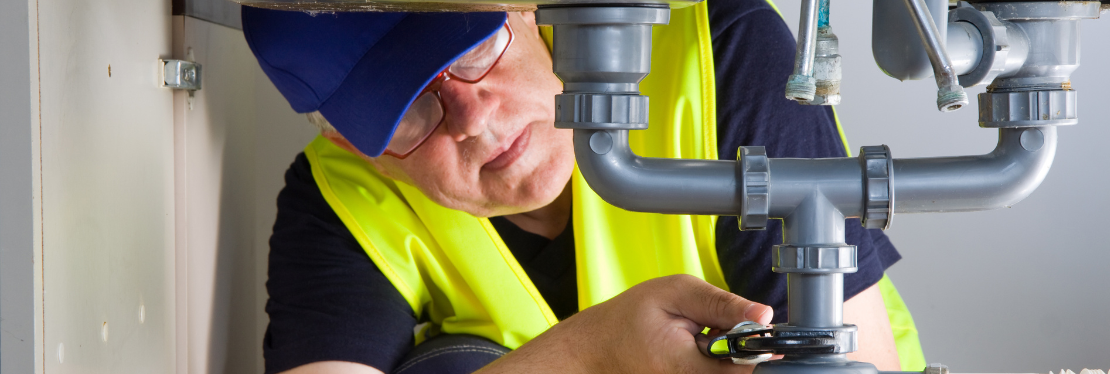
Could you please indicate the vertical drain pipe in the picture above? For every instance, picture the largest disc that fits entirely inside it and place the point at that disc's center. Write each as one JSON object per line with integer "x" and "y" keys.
{"x": 816, "y": 295}
{"x": 601, "y": 53}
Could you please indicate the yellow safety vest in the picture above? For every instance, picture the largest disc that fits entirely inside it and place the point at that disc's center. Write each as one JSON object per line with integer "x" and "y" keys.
{"x": 454, "y": 268}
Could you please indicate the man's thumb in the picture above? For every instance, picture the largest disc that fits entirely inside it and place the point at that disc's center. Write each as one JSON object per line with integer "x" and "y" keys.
{"x": 710, "y": 306}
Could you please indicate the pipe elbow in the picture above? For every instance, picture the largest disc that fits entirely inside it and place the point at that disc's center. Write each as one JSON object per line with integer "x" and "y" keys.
{"x": 1025, "y": 156}
{"x": 1000, "y": 179}
{"x": 674, "y": 186}
{"x": 610, "y": 172}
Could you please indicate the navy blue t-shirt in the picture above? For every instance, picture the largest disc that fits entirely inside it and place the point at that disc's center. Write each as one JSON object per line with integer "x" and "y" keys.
{"x": 328, "y": 301}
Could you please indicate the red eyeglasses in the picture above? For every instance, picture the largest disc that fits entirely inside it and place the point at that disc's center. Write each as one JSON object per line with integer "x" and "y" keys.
{"x": 427, "y": 112}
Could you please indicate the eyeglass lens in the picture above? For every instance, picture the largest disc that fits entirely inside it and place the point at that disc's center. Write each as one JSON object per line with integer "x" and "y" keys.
{"x": 420, "y": 120}
{"x": 426, "y": 112}
{"x": 473, "y": 65}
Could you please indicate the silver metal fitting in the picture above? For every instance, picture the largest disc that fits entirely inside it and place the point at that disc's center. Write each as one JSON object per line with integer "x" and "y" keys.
{"x": 814, "y": 260}
{"x": 826, "y": 69}
{"x": 1028, "y": 108}
{"x": 801, "y": 87}
{"x": 181, "y": 75}
{"x": 951, "y": 98}
{"x": 936, "y": 369}
{"x": 601, "y": 111}
{"x": 878, "y": 191}
{"x": 755, "y": 182}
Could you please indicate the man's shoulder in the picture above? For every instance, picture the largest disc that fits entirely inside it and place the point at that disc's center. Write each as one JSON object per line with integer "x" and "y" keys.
{"x": 301, "y": 194}
{"x": 727, "y": 13}
{"x": 299, "y": 172}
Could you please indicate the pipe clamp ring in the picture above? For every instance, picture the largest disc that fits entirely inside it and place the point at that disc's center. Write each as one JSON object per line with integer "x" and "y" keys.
{"x": 814, "y": 259}
{"x": 878, "y": 191}
{"x": 755, "y": 183}
{"x": 844, "y": 337}
{"x": 601, "y": 111}
{"x": 1028, "y": 108}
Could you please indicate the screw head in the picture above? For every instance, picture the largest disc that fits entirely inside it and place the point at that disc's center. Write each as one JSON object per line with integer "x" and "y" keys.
{"x": 189, "y": 74}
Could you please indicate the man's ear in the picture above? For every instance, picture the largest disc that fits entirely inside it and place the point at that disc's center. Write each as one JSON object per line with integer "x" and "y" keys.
{"x": 341, "y": 142}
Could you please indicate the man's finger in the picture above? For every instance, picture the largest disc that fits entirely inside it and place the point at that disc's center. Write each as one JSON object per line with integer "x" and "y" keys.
{"x": 710, "y": 306}
{"x": 702, "y": 341}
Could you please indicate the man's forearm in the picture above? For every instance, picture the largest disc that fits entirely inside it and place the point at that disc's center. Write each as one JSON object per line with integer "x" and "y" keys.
{"x": 333, "y": 367}
{"x": 876, "y": 341}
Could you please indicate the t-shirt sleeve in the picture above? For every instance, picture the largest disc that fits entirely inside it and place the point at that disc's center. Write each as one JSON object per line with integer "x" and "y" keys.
{"x": 328, "y": 301}
{"x": 753, "y": 52}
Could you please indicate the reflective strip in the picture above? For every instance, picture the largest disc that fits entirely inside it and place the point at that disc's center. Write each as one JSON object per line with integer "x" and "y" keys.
{"x": 910, "y": 354}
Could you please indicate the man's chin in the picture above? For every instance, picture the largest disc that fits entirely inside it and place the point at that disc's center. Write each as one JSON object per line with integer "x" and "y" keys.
{"x": 524, "y": 199}
{"x": 516, "y": 205}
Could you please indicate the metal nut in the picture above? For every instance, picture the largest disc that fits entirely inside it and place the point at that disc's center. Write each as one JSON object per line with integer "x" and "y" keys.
{"x": 936, "y": 369}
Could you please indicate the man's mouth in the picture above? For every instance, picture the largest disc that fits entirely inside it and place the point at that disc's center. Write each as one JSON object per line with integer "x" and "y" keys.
{"x": 506, "y": 155}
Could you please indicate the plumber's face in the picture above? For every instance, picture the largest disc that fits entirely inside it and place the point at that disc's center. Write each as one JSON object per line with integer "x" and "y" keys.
{"x": 498, "y": 151}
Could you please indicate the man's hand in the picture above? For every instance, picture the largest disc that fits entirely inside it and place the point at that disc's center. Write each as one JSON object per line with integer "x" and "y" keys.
{"x": 653, "y": 327}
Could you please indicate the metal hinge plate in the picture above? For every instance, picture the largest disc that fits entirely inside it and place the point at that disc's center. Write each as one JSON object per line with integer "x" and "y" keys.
{"x": 180, "y": 75}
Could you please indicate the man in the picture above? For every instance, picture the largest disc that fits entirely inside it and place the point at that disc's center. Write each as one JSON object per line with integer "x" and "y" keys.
{"x": 430, "y": 122}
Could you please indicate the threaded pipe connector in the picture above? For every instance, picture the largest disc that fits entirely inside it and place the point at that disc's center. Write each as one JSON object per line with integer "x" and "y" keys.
{"x": 951, "y": 98}
{"x": 826, "y": 68}
{"x": 801, "y": 87}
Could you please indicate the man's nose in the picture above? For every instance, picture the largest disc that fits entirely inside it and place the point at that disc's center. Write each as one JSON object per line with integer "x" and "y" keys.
{"x": 469, "y": 107}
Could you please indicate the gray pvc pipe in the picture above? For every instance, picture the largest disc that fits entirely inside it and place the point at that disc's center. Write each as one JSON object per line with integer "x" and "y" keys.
{"x": 657, "y": 185}
{"x": 995, "y": 180}
{"x": 813, "y": 196}
{"x": 815, "y": 300}
{"x": 965, "y": 46}
{"x": 814, "y": 222}
{"x": 793, "y": 180}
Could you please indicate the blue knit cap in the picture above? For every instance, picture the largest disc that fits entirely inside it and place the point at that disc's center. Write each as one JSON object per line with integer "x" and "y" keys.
{"x": 361, "y": 70}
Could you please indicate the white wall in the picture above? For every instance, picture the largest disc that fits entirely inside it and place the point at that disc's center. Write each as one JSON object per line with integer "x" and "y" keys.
{"x": 107, "y": 187}
{"x": 1023, "y": 289}
{"x": 233, "y": 145}
{"x": 134, "y": 219}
